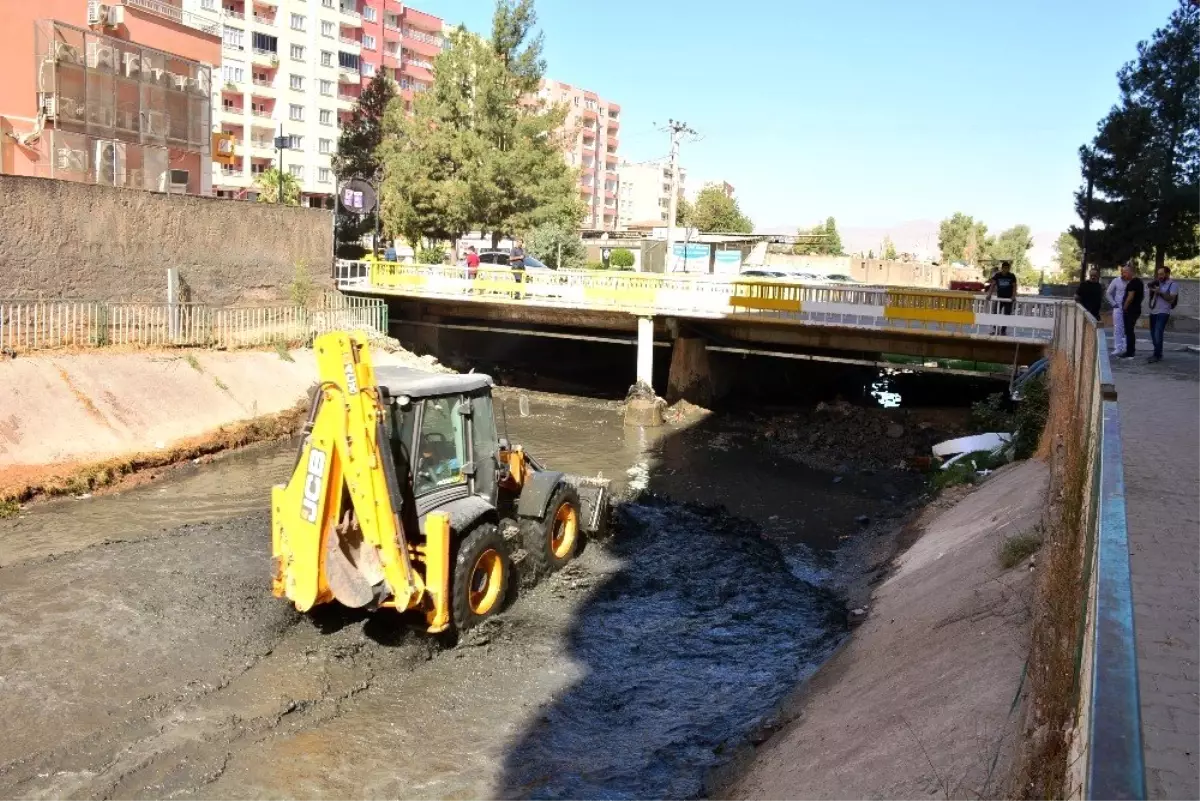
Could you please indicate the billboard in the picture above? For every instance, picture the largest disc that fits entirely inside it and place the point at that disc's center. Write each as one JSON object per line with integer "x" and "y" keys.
{"x": 691, "y": 258}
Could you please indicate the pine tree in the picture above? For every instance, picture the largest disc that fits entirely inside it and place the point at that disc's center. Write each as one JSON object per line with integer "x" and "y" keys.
{"x": 358, "y": 151}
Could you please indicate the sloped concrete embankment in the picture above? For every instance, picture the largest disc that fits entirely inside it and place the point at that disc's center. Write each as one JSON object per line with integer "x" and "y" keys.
{"x": 922, "y": 700}
{"x": 73, "y": 421}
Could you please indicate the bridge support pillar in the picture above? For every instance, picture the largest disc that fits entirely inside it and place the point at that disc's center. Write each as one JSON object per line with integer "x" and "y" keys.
{"x": 645, "y": 351}
{"x": 691, "y": 376}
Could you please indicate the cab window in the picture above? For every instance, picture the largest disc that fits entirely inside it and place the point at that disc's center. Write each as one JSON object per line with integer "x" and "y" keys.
{"x": 441, "y": 453}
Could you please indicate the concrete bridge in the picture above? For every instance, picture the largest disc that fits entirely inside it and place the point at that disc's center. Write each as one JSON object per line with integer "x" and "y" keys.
{"x": 693, "y": 314}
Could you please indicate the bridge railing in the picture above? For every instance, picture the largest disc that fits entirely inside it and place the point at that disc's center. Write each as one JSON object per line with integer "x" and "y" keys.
{"x": 856, "y": 305}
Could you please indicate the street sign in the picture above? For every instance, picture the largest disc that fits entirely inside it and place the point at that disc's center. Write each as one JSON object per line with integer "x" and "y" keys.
{"x": 357, "y": 197}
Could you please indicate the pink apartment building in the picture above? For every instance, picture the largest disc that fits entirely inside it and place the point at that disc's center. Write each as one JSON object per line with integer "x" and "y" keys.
{"x": 592, "y": 128}
{"x": 112, "y": 93}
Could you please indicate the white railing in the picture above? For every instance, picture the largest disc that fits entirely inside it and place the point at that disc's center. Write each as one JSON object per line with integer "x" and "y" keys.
{"x": 175, "y": 14}
{"x": 422, "y": 36}
{"x": 41, "y": 325}
{"x": 705, "y": 296}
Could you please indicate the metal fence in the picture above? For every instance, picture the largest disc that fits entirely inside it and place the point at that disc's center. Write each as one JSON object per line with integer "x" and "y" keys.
{"x": 1088, "y": 539}
{"x": 41, "y": 324}
{"x": 700, "y": 296}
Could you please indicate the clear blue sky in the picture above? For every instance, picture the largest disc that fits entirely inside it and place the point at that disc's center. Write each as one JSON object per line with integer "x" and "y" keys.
{"x": 874, "y": 112}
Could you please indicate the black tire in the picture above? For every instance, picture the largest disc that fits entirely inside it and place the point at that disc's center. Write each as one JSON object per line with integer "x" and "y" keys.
{"x": 479, "y": 585}
{"x": 551, "y": 541}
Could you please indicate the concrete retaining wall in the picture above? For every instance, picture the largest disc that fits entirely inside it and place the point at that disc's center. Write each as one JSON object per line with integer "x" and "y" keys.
{"x": 60, "y": 239}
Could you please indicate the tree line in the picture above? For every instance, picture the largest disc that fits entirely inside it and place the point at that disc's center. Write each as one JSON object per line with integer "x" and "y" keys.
{"x": 1144, "y": 162}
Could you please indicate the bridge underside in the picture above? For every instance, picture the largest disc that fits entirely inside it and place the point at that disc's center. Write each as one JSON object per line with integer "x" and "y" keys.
{"x": 722, "y": 331}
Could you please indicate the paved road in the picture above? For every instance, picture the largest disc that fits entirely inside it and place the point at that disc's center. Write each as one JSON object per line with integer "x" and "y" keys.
{"x": 1160, "y": 430}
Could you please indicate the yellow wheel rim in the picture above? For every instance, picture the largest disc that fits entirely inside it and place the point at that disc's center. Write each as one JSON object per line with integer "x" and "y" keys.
{"x": 562, "y": 536}
{"x": 487, "y": 579}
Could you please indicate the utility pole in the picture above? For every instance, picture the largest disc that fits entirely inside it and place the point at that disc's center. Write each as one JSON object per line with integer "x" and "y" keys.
{"x": 675, "y": 128}
{"x": 1087, "y": 217}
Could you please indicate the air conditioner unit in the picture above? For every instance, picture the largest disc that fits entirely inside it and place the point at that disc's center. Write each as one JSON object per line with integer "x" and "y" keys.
{"x": 65, "y": 53}
{"x": 155, "y": 123}
{"x": 48, "y": 103}
{"x": 116, "y": 16}
{"x": 133, "y": 64}
{"x": 100, "y": 55}
{"x": 97, "y": 12}
{"x": 110, "y": 163}
{"x": 180, "y": 82}
{"x": 198, "y": 85}
{"x": 70, "y": 159}
{"x": 179, "y": 181}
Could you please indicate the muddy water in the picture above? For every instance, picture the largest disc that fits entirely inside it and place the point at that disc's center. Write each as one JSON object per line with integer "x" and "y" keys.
{"x": 155, "y": 662}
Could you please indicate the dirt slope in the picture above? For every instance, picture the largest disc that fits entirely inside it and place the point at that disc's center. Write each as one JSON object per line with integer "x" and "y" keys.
{"x": 919, "y": 702}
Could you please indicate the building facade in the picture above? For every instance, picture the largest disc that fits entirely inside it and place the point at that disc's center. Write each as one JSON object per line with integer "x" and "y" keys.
{"x": 296, "y": 69}
{"x": 645, "y": 193}
{"x": 592, "y": 139}
{"x": 116, "y": 94}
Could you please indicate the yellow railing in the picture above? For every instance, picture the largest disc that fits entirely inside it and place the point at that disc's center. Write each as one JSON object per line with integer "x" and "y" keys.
{"x": 712, "y": 296}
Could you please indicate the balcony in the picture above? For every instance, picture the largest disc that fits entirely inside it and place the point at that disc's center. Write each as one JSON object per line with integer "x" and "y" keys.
{"x": 421, "y": 70}
{"x": 349, "y": 75}
{"x": 262, "y": 146}
{"x": 351, "y": 17}
{"x": 263, "y": 19}
{"x": 613, "y": 124}
{"x": 588, "y": 113}
{"x": 234, "y": 14}
{"x": 201, "y": 22}
{"x": 421, "y": 42}
{"x": 355, "y": 45}
{"x": 265, "y": 57}
{"x": 261, "y": 113}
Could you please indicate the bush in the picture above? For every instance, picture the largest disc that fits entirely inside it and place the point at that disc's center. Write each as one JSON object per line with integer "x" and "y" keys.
{"x": 992, "y": 414}
{"x": 1031, "y": 416}
{"x": 621, "y": 259}
{"x": 594, "y": 265}
{"x": 1019, "y": 547}
{"x": 548, "y": 241}
{"x": 430, "y": 255}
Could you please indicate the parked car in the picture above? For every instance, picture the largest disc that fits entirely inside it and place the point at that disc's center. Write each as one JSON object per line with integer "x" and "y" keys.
{"x": 768, "y": 274}
{"x": 501, "y": 257}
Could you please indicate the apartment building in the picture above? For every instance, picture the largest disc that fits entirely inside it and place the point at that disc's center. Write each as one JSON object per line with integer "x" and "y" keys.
{"x": 296, "y": 68}
{"x": 645, "y": 192}
{"x": 109, "y": 93}
{"x": 592, "y": 140}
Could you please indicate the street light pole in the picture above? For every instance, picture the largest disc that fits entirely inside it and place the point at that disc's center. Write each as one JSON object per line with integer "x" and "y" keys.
{"x": 280, "y": 142}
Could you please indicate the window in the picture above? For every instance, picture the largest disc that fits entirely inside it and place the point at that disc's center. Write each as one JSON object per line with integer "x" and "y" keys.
{"x": 326, "y": 117}
{"x": 323, "y": 175}
{"x": 348, "y": 60}
{"x": 296, "y": 113}
{"x": 232, "y": 37}
{"x": 268, "y": 44}
{"x": 369, "y": 13}
{"x": 296, "y": 169}
{"x": 296, "y": 142}
{"x": 327, "y": 3}
{"x": 262, "y": 78}
{"x": 576, "y": 101}
{"x": 327, "y": 88}
{"x": 296, "y": 82}
{"x": 233, "y": 72}
{"x": 368, "y": 69}
{"x": 208, "y": 5}
{"x": 368, "y": 41}
{"x": 325, "y": 146}
{"x": 297, "y": 22}
{"x": 326, "y": 58}
{"x": 327, "y": 28}
{"x": 297, "y": 52}
{"x": 440, "y": 448}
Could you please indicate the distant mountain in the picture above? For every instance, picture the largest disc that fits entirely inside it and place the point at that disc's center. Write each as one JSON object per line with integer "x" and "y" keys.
{"x": 919, "y": 237}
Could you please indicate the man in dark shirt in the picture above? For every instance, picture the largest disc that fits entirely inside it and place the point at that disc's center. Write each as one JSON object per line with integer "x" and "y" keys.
{"x": 516, "y": 260}
{"x": 1090, "y": 293}
{"x": 1132, "y": 307}
{"x": 1003, "y": 284}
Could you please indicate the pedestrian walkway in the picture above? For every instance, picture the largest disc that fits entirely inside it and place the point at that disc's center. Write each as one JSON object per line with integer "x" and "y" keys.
{"x": 1160, "y": 432}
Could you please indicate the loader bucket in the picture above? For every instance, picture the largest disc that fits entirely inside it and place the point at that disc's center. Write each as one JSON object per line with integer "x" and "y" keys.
{"x": 594, "y": 501}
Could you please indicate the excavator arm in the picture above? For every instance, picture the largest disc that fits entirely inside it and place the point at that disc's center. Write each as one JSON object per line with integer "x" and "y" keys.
{"x": 336, "y": 527}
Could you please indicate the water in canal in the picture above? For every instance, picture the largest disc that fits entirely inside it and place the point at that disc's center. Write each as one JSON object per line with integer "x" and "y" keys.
{"x": 629, "y": 674}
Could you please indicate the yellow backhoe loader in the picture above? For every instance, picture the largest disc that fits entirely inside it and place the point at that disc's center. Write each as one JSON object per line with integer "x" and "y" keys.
{"x": 402, "y": 493}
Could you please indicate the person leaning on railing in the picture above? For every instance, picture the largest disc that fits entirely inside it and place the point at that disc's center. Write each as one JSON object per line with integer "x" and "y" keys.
{"x": 1090, "y": 293}
{"x": 1003, "y": 284}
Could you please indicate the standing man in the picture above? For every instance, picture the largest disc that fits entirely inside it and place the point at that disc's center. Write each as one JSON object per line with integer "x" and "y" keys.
{"x": 1003, "y": 284}
{"x": 1131, "y": 308}
{"x": 1090, "y": 293}
{"x": 472, "y": 261}
{"x": 1164, "y": 294}
{"x": 516, "y": 259}
{"x": 1116, "y": 297}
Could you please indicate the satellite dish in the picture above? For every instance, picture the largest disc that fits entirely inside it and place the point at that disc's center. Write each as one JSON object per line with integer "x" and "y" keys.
{"x": 357, "y": 196}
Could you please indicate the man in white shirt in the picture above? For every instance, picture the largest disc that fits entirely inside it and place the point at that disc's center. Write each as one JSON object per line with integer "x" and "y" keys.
{"x": 1164, "y": 294}
{"x": 1116, "y": 299}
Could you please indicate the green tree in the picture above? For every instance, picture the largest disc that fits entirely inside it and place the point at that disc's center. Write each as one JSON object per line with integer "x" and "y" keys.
{"x": 557, "y": 246}
{"x": 621, "y": 258}
{"x": 358, "y": 151}
{"x": 870, "y": 254}
{"x": 716, "y": 211}
{"x": 683, "y": 212}
{"x": 833, "y": 240}
{"x": 889, "y": 250}
{"x": 1145, "y": 158}
{"x": 473, "y": 154}
{"x": 962, "y": 239}
{"x": 514, "y": 41}
{"x": 1067, "y": 256}
{"x": 266, "y": 183}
